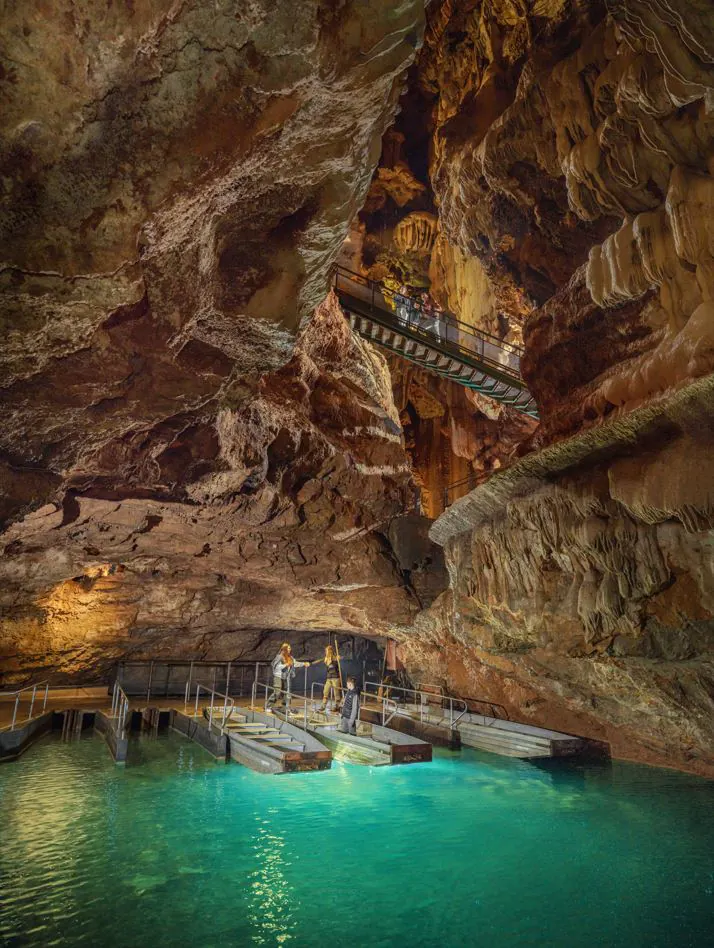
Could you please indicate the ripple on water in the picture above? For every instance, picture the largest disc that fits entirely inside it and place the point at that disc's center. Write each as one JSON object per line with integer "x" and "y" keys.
{"x": 469, "y": 849}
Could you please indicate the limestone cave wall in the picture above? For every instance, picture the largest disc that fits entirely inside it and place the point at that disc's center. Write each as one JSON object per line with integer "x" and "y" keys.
{"x": 194, "y": 450}
{"x": 570, "y": 158}
{"x": 582, "y": 597}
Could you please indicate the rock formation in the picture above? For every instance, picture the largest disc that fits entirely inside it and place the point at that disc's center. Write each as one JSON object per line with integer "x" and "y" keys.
{"x": 178, "y": 180}
{"x": 572, "y": 156}
{"x": 197, "y": 456}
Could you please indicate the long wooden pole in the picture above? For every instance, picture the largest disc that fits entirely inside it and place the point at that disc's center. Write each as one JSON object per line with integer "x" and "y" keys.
{"x": 380, "y": 690}
{"x": 339, "y": 664}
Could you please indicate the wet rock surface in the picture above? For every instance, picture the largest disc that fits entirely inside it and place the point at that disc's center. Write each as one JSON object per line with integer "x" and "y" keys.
{"x": 571, "y": 159}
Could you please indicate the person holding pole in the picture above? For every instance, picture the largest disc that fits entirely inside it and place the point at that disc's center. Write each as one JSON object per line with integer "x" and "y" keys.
{"x": 331, "y": 691}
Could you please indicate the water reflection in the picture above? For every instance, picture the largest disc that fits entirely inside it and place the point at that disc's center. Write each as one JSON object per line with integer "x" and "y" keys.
{"x": 470, "y": 849}
{"x": 272, "y": 902}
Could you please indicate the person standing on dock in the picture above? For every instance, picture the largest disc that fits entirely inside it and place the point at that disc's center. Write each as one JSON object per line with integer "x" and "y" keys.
{"x": 331, "y": 691}
{"x": 283, "y": 666}
{"x": 350, "y": 709}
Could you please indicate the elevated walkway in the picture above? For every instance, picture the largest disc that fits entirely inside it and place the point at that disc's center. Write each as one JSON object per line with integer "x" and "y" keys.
{"x": 436, "y": 341}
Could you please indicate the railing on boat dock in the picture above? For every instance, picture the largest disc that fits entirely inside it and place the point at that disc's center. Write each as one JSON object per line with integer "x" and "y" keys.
{"x": 482, "y": 706}
{"x": 120, "y": 710}
{"x": 389, "y": 706}
{"x": 227, "y": 707}
{"x": 18, "y": 699}
{"x": 173, "y": 678}
{"x": 456, "y": 707}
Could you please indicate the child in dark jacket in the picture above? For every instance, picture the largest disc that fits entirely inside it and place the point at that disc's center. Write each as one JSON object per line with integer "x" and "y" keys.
{"x": 350, "y": 709}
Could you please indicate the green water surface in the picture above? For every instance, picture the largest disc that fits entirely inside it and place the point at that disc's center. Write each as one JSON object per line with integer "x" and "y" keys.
{"x": 470, "y": 850}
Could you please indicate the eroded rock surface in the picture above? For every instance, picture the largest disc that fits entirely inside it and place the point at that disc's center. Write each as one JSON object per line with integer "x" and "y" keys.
{"x": 287, "y": 528}
{"x": 571, "y": 158}
{"x": 178, "y": 178}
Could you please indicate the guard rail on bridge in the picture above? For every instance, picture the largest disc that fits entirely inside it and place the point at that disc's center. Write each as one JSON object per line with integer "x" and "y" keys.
{"x": 435, "y": 340}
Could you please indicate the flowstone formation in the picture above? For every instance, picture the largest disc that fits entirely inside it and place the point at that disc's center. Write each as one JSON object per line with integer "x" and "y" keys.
{"x": 572, "y": 157}
{"x": 189, "y": 450}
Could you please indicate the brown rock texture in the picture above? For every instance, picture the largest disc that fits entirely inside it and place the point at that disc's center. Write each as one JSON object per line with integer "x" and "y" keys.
{"x": 289, "y": 529}
{"x": 177, "y": 181}
{"x": 570, "y": 163}
{"x": 582, "y": 591}
{"x": 455, "y": 438}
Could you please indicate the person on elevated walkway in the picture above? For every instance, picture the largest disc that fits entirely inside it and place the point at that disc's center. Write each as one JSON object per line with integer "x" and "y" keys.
{"x": 401, "y": 301}
{"x": 350, "y": 709}
{"x": 331, "y": 691}
{"x": 430, "y": 316}
{"x": 283, "y": 667}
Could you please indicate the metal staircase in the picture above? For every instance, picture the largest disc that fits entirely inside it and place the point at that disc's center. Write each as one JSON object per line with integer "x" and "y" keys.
{"x": 436, "y": 341}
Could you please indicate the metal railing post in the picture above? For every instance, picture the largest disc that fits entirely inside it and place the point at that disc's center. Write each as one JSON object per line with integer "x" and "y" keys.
{"x": 228, "y": 678}
{"x": 14, "y": 713}
{"x": 44, "y": 703}
{"x": 148, "y": 687}
{"x": 32, "y": 701}
{"x": 195, "y": 712}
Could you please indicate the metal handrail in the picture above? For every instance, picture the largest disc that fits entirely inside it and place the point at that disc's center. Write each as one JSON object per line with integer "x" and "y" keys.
{"x": 321, "y": 684}
{"x": 228, "y": 670}
{"x": 412, "y": 325}
{"x": 268, "y": 689}
{"x": 424, "y": 696}
{"x": 470, "y": 481}
{"x": 497, "y": 370}
{"x": 387, "y": 703}
{"x": 484, "y": 702}
{"x": 120, "y": 709}
{"x": 443, "y": 314}
{"x": 9, "y": 694}
{"x": 228, "y": 703}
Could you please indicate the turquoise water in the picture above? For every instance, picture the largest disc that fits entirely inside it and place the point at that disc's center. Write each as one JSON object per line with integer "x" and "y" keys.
{"x": 470, "y": 850}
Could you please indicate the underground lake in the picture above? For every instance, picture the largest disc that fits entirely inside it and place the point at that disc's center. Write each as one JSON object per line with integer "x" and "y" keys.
{"x": 174, "y": 849}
